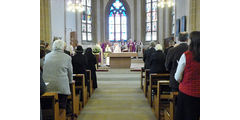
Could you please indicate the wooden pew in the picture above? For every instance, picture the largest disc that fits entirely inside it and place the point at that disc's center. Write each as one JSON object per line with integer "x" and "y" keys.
{"x": 154, "y": 78}
{"x": 146, "y": 81}
{"x": 58, "y": 114}
{"x": 80, "y": 85}
{"x": 142, "y": 77}
{"x": 74, "y": 100}
{"x": 169, "y": 112}
{"x": 159, "y": 97}
{"x": 90, "y": 82}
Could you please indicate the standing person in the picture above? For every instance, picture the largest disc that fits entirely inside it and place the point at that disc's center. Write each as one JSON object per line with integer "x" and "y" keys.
{"x": 172, "y": 58}
{"x": 57, "y": 71}
{"x": 188, "y": 75}
{"x": 171, "y": 43}
{"x": 157, "y": 60}
{"x": 79, "y": 61}
{"x": 91, "y": 65}
{"x": 147, "y": 55}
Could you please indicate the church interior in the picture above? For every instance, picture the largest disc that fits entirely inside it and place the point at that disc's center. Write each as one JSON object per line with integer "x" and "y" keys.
{"x": 120, "y": 59}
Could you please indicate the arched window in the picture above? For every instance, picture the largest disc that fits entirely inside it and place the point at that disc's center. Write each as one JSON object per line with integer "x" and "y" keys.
{"x": 87, "y": 20}
{"x": 117, "y": 22}
{"x": 151, "y": 20}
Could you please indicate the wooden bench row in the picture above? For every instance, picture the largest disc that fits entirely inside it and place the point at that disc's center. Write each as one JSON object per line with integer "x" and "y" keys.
{"x": 53, "y": 112}
{"x": 156, "y": 89}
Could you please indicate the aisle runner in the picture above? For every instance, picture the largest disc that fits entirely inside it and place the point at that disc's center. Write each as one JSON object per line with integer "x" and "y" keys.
{"x": 118, "y": 97}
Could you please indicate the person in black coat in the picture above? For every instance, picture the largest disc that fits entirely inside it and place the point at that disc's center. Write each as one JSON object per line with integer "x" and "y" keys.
{"x": 92, "y": 61}
{"x": 79, "y": 61}
{"x": 147, "y": 55}
{"x": 171, "y": 43}
{"x": 173, "y": 57}
{"x": 157, "y": 61}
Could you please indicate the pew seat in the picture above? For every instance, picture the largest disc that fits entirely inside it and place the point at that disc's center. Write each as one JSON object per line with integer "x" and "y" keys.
{"x": 146, "y": 81}
{"x": 153, "y": 86}
{"x": 81, "y": 86}
{"x": 50, "y": 107}
{"x": 161, "y": 100}
{"x": 142, "y": 77}
{"x": 169, "y": 112}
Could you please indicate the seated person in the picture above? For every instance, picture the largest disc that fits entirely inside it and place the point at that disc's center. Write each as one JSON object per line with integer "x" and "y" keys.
{"x": 57, "y": 71}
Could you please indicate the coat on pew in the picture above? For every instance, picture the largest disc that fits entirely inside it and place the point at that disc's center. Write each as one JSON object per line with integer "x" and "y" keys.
{"x": 57, "y": 70}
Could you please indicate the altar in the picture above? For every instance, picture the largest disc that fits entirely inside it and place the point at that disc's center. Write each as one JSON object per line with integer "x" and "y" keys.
{"x": 121, "y": 60}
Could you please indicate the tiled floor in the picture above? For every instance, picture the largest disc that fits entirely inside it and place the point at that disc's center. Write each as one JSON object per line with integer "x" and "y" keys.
{"x": 118, "y": 97}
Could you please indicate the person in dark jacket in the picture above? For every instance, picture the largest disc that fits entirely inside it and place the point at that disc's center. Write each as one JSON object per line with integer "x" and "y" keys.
{"x": 147, "y": 55}
{"x": 171, "y": 43}
{"x": 92, "y": 61}
{"x": 173, "y": 57}
{"x": 79, "y": 61}
{"x": 157, "y": 61}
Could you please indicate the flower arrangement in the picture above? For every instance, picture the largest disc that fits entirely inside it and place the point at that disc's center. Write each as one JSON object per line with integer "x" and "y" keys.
{"x": 96, "y": 49}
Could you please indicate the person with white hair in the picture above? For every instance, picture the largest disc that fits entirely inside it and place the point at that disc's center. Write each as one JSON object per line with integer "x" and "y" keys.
{"x": 157, "y": 60}
{"x": 57, "y": 71}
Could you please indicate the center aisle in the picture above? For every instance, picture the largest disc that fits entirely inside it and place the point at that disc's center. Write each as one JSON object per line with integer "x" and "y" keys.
{"x": 118, "y": 97}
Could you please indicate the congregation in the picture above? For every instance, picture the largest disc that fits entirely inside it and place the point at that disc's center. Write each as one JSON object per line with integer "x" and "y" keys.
{"x": 181, "y": 60}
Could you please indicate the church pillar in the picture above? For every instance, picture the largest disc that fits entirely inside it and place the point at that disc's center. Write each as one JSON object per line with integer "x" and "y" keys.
{"x": 98, "y": 20}
{"x": 160, "y": 25}
{"x": 135, "y": 20}
{"x": 45, "y": 21}
{"x": 167, "y": 22}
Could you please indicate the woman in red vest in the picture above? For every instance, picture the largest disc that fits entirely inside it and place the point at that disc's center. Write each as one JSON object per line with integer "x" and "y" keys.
{"x": 188, "y": 75}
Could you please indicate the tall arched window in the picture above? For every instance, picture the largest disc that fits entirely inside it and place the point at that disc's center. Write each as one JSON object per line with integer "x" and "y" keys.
{"x": 117, "y": 22}
{"x": 87, "y": 20}
{"x": 151, "y": 20}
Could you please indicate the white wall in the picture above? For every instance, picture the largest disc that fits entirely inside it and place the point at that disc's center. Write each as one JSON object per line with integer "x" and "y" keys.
{"x": 57, "y": 18}
{"x": 70, "y": 24}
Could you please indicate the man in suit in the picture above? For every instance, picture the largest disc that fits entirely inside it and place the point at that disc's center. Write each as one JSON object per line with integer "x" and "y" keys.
{"x": 57, "y": 71}
{"x": 173, "y": 57}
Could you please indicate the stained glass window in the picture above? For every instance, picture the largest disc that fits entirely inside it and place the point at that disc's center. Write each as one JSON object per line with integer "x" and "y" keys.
{"x": 87, "y": 20}
{"x": 151, "y": 20}
{"x": 117, "y": 22}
